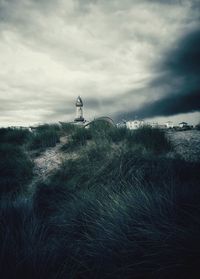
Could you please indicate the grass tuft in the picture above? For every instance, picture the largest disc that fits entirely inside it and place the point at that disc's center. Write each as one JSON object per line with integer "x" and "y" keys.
{"x": 14, "y": 136}
{"x": 45, "y": 136}
{"x": 153, "y": 139}
{"x": 78, "y": 139}
{"x": 121, "y": 208}
{"x": 16, "y": 169}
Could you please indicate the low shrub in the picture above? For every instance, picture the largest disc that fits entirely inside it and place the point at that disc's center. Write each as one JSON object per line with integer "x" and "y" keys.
{"x": 16, "y": 169}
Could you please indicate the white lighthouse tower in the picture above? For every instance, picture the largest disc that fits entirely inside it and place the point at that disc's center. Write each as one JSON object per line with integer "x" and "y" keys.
{"x": 79, "y": 110}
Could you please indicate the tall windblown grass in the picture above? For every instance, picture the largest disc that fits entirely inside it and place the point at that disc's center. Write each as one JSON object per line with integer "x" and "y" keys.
{"x": 29, "y": 248}
{"x": 100, "y": 167}
{"x": 197, "y": 126}
{"x": 45, "y": 136}
{"x": 148, "y": 229}
{"x": 78, "y": 139}
{"x": 117, "y": 135}
{"x": 100, "y": 129}
{"x": 15, "y": 136}
{"x": 153, "y": 139}
{"x": 68, "y": 128}
{"x": 16, "y": 169}
{"x": 120, "y": 209}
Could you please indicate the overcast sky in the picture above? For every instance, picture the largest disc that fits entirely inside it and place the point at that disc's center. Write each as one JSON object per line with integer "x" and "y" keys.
{"x": 127, "y": 59}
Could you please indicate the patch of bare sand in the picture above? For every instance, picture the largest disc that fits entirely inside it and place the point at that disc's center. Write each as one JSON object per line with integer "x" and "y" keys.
{"x": 49, "y": 161}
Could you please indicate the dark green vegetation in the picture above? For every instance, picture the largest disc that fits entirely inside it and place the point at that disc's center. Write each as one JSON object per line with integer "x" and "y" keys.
{"x": 79, "y": 138}
{"x": 14, "y": 136}
{"x": 198, "y": 126}
{"x": 16, "y": 168}
{"x": 153, "y": 140}
{"x": 45, "y": 136}
{"x": 125, "y": 207}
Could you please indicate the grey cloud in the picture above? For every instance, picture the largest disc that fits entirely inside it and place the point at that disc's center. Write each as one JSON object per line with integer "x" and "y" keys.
{"x": 66, "y": 111}
{"x": 99, "y": 49}
{"x": 182, "y": 72}
{"x": 167, "y": 106}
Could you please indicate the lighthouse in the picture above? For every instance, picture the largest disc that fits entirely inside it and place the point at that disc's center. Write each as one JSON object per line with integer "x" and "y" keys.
{"x": 79, "y": 110}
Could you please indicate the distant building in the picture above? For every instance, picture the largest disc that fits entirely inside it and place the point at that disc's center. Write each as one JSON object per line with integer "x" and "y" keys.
{"x": 169, "y": 124}
{"x": 134, "y": 124}
{"x": 162, "y": 126}
{"x": 121, "y": 124}
{"x": 153, "y": 125}
{"x": 183, "y": 125}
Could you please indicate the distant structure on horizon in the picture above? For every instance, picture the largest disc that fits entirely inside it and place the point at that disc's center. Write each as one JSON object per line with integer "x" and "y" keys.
{"x": 183, "y": 125}
{"x": 169, "y": 125}
{"x": 134, "y": 124}
{"x": 79, "y": 110}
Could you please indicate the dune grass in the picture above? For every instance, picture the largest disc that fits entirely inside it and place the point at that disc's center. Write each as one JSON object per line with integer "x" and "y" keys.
{"x": 14, "y": 136}
{"x": 45, "y": 136}
{"x": 78, "y": 139}
{"x": 198, "y": 127}
{"x": 68, "y": 128}
{"x": 153, "y": 139}
{"x": 16, "y": 169}
{"x": 148, "y": 229}
{"x": 122, "y": 208}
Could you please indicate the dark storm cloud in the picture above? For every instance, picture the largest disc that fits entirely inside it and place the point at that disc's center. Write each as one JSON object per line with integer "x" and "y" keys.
{"x": 182, "y": 75}
{"x": 113, "y": 101}
{"x": 185, "y": 60}
{"x": 168, "y": 106}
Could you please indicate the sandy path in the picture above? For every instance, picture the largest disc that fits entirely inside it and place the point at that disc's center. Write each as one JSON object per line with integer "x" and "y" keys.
{"x": 49, "y": 161}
